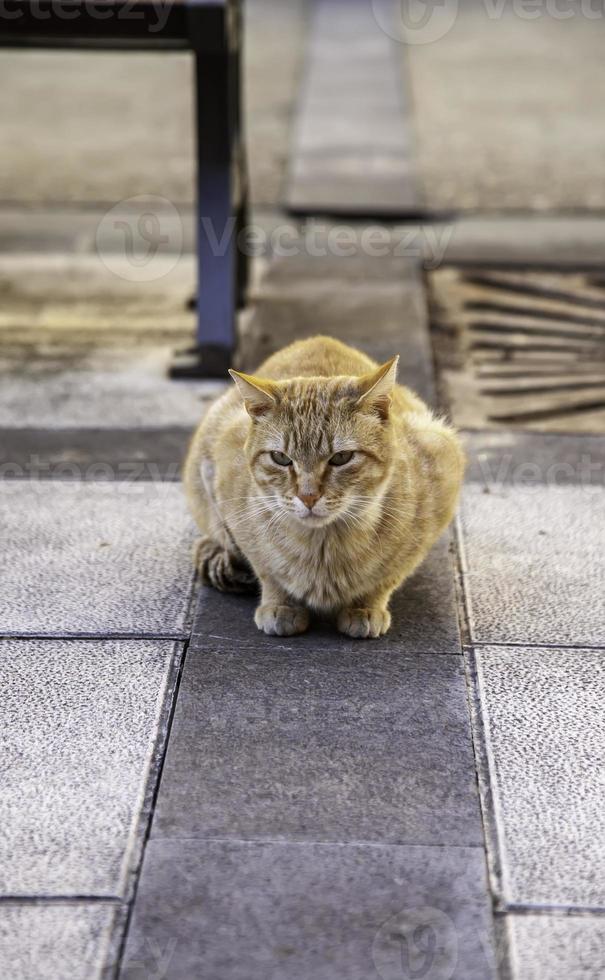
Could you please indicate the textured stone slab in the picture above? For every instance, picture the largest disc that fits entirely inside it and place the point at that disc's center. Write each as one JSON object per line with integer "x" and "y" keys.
{"x": 94, "y": 558}
{"x": 535, "y": 564}
{"x": 545, "y": 734}
{"x": 82, "y": 719}
{"x": 54, "y": 941}
{"x": 351, "y": 149}
{"x": 326, "y": 741}
{"x": 425, "y": 618}
{"x": 548, "y": 947}
{"x": 242, "y": 911}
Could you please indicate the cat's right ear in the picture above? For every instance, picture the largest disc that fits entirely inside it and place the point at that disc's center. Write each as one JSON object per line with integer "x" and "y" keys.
{"x": 259, "y": 395}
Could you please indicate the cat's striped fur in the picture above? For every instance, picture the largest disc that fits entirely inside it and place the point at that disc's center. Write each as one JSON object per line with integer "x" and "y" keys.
{"x": 316, "y": 535}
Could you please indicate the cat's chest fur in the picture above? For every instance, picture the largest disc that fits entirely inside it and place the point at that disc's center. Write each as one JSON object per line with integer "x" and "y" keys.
{"x": 323, "y": 569}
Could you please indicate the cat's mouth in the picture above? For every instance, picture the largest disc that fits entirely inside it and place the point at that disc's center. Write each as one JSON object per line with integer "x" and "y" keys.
{"x": 312, "y": 519}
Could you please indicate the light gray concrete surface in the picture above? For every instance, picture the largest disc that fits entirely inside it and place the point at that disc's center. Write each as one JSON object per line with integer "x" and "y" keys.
{"x": 82, "y": 343}
{"x": 82, "y": 718}
{"x": 534, "y": 563}
{"x": 111, "y": 125}
{"x": 247, "y": 911}
{"x": 548, "y": 947}
{"x": 55, "y": 941}
{"x": 351, "y": 151}
{"x": 100, "y": 288}
{"x": 545, "y": 740}
{"x": 124, "y": 389}
{"x": 94, "y": 558}
{"x": 507, "y": 102}
{"x": 275, "y": 38}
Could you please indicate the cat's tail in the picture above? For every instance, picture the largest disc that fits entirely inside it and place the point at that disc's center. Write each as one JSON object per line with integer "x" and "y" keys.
{"x": 224, "y": 570}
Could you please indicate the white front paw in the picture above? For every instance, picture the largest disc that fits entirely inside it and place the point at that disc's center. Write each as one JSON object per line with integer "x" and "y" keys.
{"x": 281, "y": 620}
{"x": 364, "y": 623}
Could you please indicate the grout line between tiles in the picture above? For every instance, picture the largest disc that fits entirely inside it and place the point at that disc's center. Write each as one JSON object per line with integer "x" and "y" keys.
{"x": 61, "y": 900}
{"x": 493, "y": 808}
{"x": 535, "y": 646}
{"x": 101, "y": 637}
{"x": 153, "y": 790}
{"x": 561, "y": 911}
{"x": 286, "y": 842}
{"x": 480, "y": 753}
{"x": 133, "y": 852}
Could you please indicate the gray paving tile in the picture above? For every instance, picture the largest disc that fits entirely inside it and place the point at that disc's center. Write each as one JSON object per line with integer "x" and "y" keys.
{"x": 547, "y": 947}
{"x": 327, "y": 741}
{"x": 351, "y": 149}
{"x": 55, "y": 942}
{"x": 81, "y": 721}
{"x": 534, "y": 459}
{"x": 535, "y": 563}
{"x": 545, "y": 734}
{"x": 93, "y": 454}
{"x": 94, "y": 558}
{"x": 425, "y": 618}
{"x": 241, "y": 911}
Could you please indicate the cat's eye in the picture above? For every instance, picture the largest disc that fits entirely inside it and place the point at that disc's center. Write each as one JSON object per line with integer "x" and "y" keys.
{"x": 280, "y": 458}
{"x": 339, "y": 459}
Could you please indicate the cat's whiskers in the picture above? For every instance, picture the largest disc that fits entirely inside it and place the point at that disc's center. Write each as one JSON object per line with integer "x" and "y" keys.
{"x": 247, "y": 514}
{"x": 363, "y": 526}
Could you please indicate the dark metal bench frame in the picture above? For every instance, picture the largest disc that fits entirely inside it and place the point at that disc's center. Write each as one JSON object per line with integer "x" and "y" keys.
{"x": 212, "y": 29}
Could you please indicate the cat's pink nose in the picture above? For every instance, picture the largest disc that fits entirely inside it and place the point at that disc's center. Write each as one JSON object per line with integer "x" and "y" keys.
{"x": 309, "y": 499}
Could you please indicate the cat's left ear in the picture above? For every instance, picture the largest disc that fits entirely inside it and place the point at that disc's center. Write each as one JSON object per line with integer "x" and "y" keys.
{"x": 377, "y": 387}
{"x": 258, "y": 394}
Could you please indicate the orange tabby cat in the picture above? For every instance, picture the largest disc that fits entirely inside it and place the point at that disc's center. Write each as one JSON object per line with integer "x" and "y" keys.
{"x": 325, "y": 481}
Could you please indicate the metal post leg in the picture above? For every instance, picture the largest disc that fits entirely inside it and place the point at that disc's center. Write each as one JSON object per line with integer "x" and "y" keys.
{"x": 216, "y": 219}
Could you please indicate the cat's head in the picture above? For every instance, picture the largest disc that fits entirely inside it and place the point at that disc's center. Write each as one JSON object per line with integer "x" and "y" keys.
{"x": 320, "y": 449}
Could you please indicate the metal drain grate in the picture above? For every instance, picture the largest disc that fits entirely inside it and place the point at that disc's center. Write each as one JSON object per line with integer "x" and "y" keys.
{"x": 520, "y": 349}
